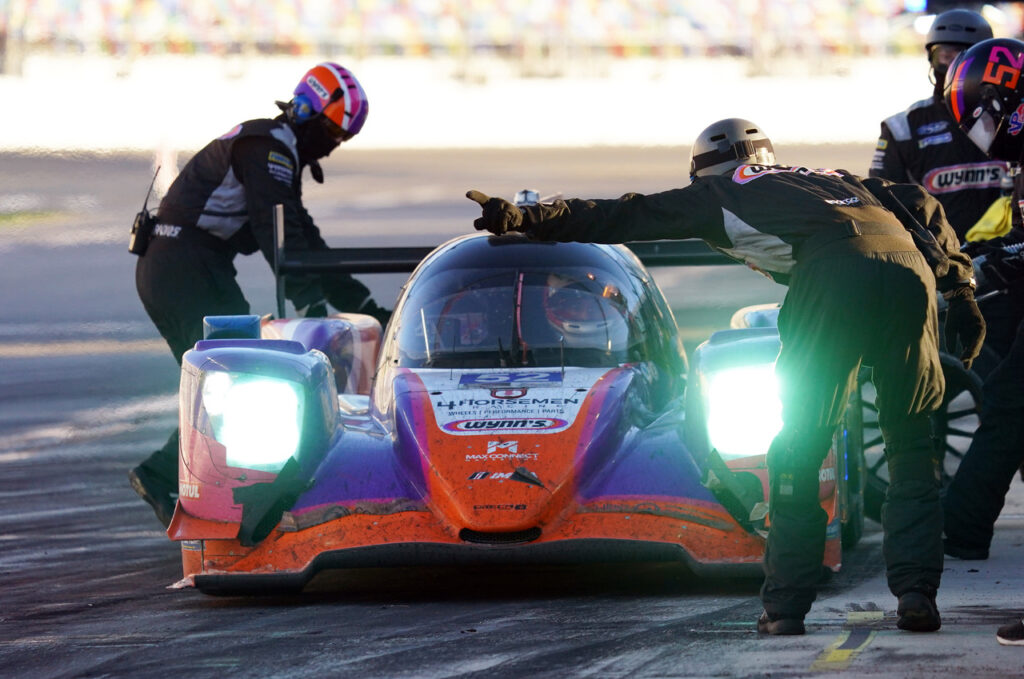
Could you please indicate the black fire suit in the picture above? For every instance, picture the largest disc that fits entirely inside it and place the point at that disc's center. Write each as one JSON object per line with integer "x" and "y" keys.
{"x": 859, "y": 289}
{"x": 923, "y": 145}
{"x": 221, "y": 205}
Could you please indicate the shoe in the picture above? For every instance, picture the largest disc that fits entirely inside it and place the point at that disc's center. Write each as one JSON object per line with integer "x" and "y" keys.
{"x": 1011, "y": 635}
{"x": 964, "y": 552}
{"x": 917, "y": 612}
{"x": 768, "y": 624}
{"x": 161, "y": 496}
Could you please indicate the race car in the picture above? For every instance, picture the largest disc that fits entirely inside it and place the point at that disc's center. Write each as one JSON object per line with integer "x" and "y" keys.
{"x": 528, "y": 403}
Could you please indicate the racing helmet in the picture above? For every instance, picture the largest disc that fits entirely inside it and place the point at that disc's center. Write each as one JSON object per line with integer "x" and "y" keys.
{"x": 983, "y": 94}
{"x": 957, "y": 27}
{"x": 951, "y": 32}
{"x": 726, "y": 145}
{"x": 585, "y": 312}
{"x": 331, "y": 93}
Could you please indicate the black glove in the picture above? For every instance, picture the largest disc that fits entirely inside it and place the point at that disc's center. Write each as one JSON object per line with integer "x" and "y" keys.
{"x": 964, "y": 322}
{"x": 499, "y": 215}
{"x": 316, "y": 309}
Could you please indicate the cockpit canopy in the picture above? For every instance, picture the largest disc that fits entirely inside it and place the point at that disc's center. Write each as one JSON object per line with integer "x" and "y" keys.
{"x": 511, "y": 302}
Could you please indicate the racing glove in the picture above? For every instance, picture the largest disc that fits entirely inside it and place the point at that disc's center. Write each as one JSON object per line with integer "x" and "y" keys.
{"x": 965, "y": 323}
{"x": 316, "y": 309}
{"x": 499, "y": 215}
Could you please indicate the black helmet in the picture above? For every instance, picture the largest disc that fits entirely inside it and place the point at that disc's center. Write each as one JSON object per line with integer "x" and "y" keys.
{"x": 957, "y": 27}
{"x": 984, "y": 92}
{"x": 726, "y": 145}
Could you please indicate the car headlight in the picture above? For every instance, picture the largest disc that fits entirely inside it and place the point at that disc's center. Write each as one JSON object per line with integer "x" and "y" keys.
{"x": 744, "y": 412}
{"x": 257, "y": 418}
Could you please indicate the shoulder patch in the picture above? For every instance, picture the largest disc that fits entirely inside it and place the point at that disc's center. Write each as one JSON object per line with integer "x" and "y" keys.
{"x": 882, "y": 144}
{"x": 280, "y": 167}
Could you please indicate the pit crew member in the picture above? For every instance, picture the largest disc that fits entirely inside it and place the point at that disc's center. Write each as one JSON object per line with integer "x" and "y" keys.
{"x": 923, "y": 145}
{"x": 221, "y": 205}
{"x": 860, "y": 288}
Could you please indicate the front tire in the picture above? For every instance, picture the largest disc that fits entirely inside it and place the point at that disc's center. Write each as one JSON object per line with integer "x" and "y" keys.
{"x": 953, "y": 425}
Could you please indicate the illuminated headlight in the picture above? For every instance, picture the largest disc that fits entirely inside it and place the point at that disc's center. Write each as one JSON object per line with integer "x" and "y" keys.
{"x": 744, "y": 412}
{"x": 258, "y": 419}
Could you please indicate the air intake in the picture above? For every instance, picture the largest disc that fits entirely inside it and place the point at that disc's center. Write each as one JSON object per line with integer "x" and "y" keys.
{"x": 516, "y": 537}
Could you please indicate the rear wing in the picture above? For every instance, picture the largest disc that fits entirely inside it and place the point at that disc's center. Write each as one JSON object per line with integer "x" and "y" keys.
{"x": 692, "y": 252}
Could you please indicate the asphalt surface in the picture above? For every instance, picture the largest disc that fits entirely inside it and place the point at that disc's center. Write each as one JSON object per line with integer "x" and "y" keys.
{"x": 87, "y": 388}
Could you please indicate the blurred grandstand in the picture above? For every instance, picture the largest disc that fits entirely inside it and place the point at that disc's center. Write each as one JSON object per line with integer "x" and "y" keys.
{"x": 544, "y": 36}
{"x": 513, "y": 73}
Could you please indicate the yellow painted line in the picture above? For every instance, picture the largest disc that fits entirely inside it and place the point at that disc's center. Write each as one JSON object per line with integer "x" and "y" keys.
{"x": 81, "y": 347}
{"x": 850, "y": 642}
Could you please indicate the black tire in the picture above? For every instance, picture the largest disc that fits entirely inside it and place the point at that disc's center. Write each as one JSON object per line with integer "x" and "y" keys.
{"x": 953, "y": 425}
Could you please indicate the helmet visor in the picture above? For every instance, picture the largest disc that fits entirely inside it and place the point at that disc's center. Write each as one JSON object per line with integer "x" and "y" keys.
{"x": 984, "y": 130}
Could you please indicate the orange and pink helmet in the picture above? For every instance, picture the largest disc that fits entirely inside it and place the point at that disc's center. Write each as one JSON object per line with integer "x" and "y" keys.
{"x": 332, "y": 93}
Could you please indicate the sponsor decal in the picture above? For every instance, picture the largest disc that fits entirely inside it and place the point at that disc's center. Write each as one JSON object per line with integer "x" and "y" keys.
{"x": 852, "y": 200}
{"x": 521, "y": 474}
{"x": 233, "y": 132}
{"x": 192, "y": 545}
{"x": 748, "y": 173}
{"x": 280, "y": 158}
{"x": 496, "y": 476}
{"x": 935, "y": 140}
{"x": 501, "y": 457}
{"x": 280, "y": 167}
{"x": 932, "y": 128}
{"x": 517, "y": 508}
{"x": 166, "y": 230}
{"x": 318, "y": 87}
{"x": 511, "y": 379}
{"x": 188, "y": 490}
{"x": 511, "y": 424}
{"x": 508, "y": 393}
{"x": 967, "y": 176}
{"x": 826, "y": 474}
{"x": 510, "y": 446}
{"x": 500, "y": 401}
{"x": 882, "y": 144}
{"x": 1016, "y": 121}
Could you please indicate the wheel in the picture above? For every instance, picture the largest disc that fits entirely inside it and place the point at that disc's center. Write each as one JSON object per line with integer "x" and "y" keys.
{"x": 953, "y": 425}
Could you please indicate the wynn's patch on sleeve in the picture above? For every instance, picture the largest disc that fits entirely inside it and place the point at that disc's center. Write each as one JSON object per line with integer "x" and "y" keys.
{"x": 280, "y": 167}
{"x": 883, "y": 144}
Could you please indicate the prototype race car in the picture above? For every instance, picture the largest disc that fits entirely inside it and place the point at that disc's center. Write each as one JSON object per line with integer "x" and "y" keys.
{"x": 528, "y": 402}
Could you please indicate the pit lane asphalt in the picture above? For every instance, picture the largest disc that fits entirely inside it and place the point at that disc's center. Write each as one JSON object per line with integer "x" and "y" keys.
{"x": 87, "y": 388}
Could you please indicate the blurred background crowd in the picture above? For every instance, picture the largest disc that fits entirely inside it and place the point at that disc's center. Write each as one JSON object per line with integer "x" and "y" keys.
{"x": 508, "y": 73}
{"x": 543, "y": 32}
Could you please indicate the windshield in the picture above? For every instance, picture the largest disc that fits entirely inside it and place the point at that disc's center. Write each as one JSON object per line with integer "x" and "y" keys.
{"x": 473, "y": 318}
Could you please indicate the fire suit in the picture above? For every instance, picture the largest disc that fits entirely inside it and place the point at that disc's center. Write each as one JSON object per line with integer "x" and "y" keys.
{"x": 859, "y": 290}
{"x": 219, "y": 206}
{"x": 923, "y": 145}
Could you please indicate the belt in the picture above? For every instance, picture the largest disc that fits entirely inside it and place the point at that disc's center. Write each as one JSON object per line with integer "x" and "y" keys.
{"x": 856, "y": 236}
{"x": 192, "y": 235}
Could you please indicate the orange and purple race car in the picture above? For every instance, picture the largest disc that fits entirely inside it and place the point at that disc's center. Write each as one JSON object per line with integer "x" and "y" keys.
{"x": 528, "y": 402}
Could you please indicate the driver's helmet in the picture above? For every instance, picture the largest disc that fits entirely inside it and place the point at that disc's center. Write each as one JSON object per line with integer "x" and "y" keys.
{"x": 951, "y": 32}
{"x": 983, "y": 94}
{"x": 331, "y": 93}
{"x": 585, "y": 312}
{"x": 727, "y": 144}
